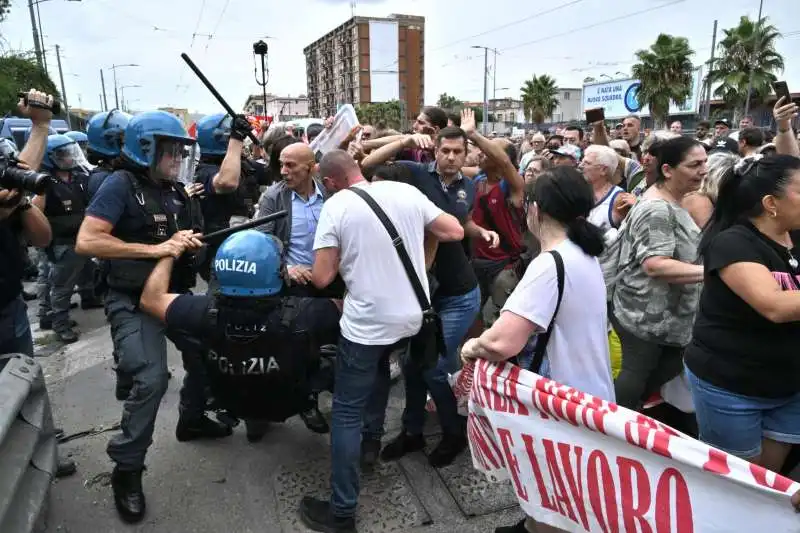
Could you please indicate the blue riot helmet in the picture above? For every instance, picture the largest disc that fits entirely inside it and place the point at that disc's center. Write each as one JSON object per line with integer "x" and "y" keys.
{"x": 158, "y": 142}
{"x": 106, "y": 131}
{"x": 62, "y": 153}
{"x": 248, "y": 263}
{"x": 77, "y": 136}
{"x": 213, "y": 133}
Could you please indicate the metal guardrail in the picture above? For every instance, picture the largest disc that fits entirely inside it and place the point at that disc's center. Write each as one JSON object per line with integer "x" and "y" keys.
{"x": 28, "y": 457}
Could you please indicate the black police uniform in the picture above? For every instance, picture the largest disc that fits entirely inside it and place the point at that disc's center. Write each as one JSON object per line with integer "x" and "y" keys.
{"x": 263, "y": 360}
{"x": 219, "y": 208}
{"x": 65, "y": 207}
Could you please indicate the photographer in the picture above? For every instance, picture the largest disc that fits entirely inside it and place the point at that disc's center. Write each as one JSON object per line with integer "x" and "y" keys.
{"x": 19, "y": 217}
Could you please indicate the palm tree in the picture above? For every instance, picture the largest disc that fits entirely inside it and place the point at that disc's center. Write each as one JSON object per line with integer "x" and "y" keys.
{"x": 539, "y": 98}
{"x": 665, "y": 73}
{"x": 750, "y": 45}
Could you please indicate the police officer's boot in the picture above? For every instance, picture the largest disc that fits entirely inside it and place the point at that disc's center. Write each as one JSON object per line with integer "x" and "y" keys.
{"x": 313, "y": 418}
{"x": 128, "y": 494}
{"x": 67, "y": 336}
{"x": 201, "y": 428}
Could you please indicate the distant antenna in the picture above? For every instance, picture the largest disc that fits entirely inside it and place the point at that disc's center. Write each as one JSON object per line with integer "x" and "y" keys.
{"x": 353, "y": 8}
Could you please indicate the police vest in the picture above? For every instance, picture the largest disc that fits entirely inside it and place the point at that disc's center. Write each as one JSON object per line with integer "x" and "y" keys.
{"x": 130, "y": 275}
{"x": 96, "y": 178}
{"x": 65, "y": 206}
{"x": 258, "y": 362}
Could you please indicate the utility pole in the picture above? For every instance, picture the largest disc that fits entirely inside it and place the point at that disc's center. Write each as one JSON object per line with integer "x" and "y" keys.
{"x": 116, "y": 92}
{"x": 63, "y": 89}
{"x": 41, "y": 38}
{"x": 485, "y": 91}
{"x": 494, "y": 76}
{"x": 36, "y": 42}
{"x": 707, "y": 106}
{"x": 485, "y": 126}
{"x": 752, "y": 60}
{"x": 104, "y": 101}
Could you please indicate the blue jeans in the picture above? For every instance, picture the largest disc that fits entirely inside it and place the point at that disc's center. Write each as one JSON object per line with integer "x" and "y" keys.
{"x": 457, "y": 314}
{"x": 15, "y": 330}
{"x": 360, "y": 396}
{"x": 736, "y": 423}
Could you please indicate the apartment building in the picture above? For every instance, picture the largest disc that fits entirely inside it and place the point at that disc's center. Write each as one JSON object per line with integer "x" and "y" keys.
{"x": 367, "y": 60}
{"x": 280, "y": 108}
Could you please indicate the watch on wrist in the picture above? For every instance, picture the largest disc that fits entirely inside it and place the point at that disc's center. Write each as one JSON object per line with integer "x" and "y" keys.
{"x": 784, "y": 130}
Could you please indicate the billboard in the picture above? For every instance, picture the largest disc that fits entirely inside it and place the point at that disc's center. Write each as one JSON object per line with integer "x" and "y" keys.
{"x": 384, "y": 53}
{"x": 618, "y": 97}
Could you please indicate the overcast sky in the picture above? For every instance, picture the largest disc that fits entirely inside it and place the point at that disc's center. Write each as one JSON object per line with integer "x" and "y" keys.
{"x": 568, "y": 39}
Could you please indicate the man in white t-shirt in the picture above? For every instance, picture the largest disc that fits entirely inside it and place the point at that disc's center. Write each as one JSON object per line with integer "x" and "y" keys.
{"x": 380, "y": 311}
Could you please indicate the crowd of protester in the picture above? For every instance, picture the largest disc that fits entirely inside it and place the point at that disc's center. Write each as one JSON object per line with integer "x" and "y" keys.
{"x": 553, "y": 251}
{"x": 677, "y": 248}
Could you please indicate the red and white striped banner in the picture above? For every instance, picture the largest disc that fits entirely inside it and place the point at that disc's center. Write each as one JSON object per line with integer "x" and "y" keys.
{"x": 579, "y": 463}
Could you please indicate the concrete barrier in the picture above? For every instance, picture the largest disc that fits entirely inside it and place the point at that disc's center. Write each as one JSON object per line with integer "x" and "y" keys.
{"x": 28, "y": 457}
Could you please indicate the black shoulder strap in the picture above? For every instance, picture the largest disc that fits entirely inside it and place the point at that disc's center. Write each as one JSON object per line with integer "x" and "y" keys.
{"x": 483, "y": 202}
{"x": 541, "y": 342}
{"x": 399, "y": 246}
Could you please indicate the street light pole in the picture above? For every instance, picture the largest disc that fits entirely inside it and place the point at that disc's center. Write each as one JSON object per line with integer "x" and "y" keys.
{"x": 116, "y": 94}
{"x": 750, "y": 63}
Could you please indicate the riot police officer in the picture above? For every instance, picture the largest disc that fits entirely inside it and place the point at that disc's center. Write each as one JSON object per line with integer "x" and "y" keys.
{"x": 140, "y": 214}
{"x": 230, "y": 181}
{"x": 104, "y": 132}
{"x": 64, "y": 205}
{"x": 263, "y": 363}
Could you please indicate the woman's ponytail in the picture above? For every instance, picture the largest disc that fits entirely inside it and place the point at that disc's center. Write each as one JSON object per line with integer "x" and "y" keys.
{"x": 586, "y": 235}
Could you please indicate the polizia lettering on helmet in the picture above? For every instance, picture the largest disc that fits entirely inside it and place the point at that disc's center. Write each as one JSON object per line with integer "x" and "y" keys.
{"x": 235, "y": 265}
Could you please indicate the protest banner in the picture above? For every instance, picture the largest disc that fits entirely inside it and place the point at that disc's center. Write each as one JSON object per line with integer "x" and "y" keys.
{"x": 579, "y": 463}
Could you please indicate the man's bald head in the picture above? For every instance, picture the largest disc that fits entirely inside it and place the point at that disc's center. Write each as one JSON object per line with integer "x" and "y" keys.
{"x": 339, "y": 170}
{"x": 297, "y": 167}
{"x": 298, "y": 151}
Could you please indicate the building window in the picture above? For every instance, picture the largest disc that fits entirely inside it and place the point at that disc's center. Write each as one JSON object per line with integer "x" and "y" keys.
{"x": 566, "y": 96}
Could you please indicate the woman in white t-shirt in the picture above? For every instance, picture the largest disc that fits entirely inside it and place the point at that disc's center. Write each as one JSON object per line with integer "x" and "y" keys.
{"x": 577, "y": 350}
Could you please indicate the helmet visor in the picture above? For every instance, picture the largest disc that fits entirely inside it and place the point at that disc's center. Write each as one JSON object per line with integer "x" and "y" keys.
{"x": 68, "y": 157}
{"x": 175, "y": 160}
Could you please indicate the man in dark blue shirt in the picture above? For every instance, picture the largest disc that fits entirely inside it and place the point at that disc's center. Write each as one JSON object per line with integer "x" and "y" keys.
{"x": 457, "y": 297}
{"x": 140, "y": 214}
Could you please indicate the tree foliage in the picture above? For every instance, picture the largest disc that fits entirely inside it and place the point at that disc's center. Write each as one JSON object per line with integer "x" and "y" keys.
{"x": 539, "y": 98}
{"x": 750, "y": 45}
{"x": 5, "y": 9}
{"x": 389, "y": 113}
{"x": 20, "y": 72}
{"x": 448, "y": 102}
{"x": 665, "y": 72}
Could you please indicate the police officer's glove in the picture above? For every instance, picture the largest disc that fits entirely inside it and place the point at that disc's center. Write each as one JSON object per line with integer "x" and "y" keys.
{"x": 240, "y": 128}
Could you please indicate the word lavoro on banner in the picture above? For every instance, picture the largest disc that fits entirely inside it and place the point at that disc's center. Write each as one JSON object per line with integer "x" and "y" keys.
{"x": 580, "y": 463}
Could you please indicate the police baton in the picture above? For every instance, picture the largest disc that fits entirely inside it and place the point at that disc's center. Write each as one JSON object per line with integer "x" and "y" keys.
{"x": 216, "y": 94}
{"x": 223, "y": 233}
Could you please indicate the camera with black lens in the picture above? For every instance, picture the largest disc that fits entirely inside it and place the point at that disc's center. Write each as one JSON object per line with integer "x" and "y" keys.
{"x": 12, "y": 176}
